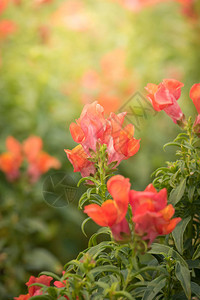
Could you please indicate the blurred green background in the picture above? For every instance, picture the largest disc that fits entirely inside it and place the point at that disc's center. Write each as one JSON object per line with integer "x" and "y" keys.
{"x": 59, "y": 56}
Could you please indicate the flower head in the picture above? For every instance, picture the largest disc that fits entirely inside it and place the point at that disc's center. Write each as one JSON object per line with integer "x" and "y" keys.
{"x": 195, "y": 96}
{"x": 11, "y": 160}
{"x": 39, "y": 161}
{"x": 7, "y": 27}
{"x": 112, "y": 212}
{"x": 79, "y": 159}
{"x": 93, "y": 128}
{"x": 36, "y": 290}
{"x": 164, "y": 97}
{"x": 151, "y": 214}
{"x": 23, "y": 297}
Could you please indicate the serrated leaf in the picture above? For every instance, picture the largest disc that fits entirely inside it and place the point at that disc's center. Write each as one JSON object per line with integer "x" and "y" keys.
{"x": 178, "y": 233}
{"x": 177, "y": 193}
{"x": 183, "y": 275}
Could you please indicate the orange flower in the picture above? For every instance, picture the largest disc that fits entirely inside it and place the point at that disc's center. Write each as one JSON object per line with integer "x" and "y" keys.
{"x": 3, "y": 4}
{"x": 92, "y": 127}
{"x": 151, "y": 214}
{"x": 7, "y": 27}
{"x": 195, "y": 96}
{"x": 11, "y": 161}
{"x": 78, "y": 159}
{"x": 39, "y": 162}
{"x": 23, "y": 297}
{"x": 112, "y": 212}
{"x": 164, "y": 97}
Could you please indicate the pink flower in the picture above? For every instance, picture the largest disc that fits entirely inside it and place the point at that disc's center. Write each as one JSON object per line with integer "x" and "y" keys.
{"x": 23, "y": 297}
{"x": 7, "y": 27}
{"x": 164, "y": 97}
{"x": 39, "y": 161}
{"x": 196, "y": 126}
{"x": 3, "y": 5}
{"x": 151, "y": 214}
{"x": 80, "y": 162}
{"x": 195, "y": 96}
{"x": 92, "y": 127}
{"x": 36, "y": 290}
{"x": 112, "y": 212}
{"x": 11, "y": 160}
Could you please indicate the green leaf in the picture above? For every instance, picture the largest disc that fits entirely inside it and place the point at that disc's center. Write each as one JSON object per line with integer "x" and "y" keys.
{"x": 177, "y": 193}
{"x": 90, "y": 178}
{"x": 83, "y": 225}
{"x": 154, "y": 287}
{"x": 93, "y": 238}
{"x": 107, "y": 268}
{"x": 178, "y": 233}
{"x": 183, "y": 275}
{"x": 96, "y": 250}
{"x": 166, "y": 250}
{"x": 196, "y": 253}
{"x": 171, "y": 144}
{"x": 125, "y": 295}
{"x": 195, "y": 289}
{"x": 52, "y": 291}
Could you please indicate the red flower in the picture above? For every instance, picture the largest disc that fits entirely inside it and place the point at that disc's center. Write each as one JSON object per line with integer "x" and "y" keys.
{"x": 195, "y": 96}
{"x": 23, "y": 297}
{"x": 78, "y": 158}
{"x": 92, "y": 128}
{"x": 151, "y": 214}
{"x": 7, "y": 27}
{"x": 112, "y": 212}
{"x": 11, "y": 161}
{"x": 39, "y": 162}
{"x": 164, "y": 97}
{"x": 3, "y": 4}
{"x": 36, "y": 290}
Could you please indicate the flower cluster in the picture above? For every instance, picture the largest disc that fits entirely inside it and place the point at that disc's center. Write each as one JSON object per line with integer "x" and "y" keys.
{"x": 7, "y": 27}
{"x": 151, "y": 215}
{"x": 35, "y": 290}
{"x": 93, "y": 129}
{"x": 164, "y": 96}
{"x": 39, "y": 162}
